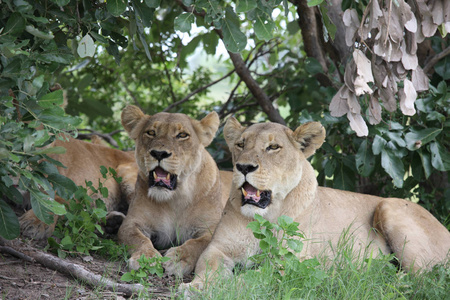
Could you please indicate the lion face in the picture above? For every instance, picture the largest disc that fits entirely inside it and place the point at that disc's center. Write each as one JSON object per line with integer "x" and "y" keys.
{"x": 168, "y": 148}
{"x": 268, "y": 161}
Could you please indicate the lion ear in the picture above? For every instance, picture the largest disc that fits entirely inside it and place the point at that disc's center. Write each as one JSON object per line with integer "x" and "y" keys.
{"x": 309, "y": 136}
{"x": 232, "y": 131}
{"x": 207, "y": 127}
{"x": 131, "y": 116}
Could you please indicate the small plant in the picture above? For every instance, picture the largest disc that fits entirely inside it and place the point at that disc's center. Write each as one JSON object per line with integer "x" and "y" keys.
{"x": 148, "y": 266}
{"x": 279, "y": 244}
{"x": 78, "y": 230}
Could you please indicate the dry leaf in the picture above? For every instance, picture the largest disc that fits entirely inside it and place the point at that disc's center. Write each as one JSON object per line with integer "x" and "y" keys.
{"x": 374, "y": 110}
{"x": 338, "y": 105}
{"x": 351, "y": 22}
{"x": 350, "y": 74}
{"x": 357, "y": 124}
{"x": 353, "y": 103}
{"x": 364, "y": 71}
{"x": 437, "y": 12}
{"x": 407, "y": 97}
{"x": 375, "y": 13}
{"x": 419, "y": 80}
{"x": 407, "y": 18}
{"x": 410, "y": 62}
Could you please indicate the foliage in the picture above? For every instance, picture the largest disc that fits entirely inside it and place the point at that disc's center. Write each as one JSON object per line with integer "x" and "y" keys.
{"x": 148, "y": 266}
{"x": 79, "y": 231}
{"x": 349, "y": 275}
{"x": 279, "y": 245}
{"x": 108, "y": 54}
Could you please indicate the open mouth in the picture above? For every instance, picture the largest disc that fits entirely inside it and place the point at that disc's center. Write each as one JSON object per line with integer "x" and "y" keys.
{"x": 253, "y": 196}
{"x": 161, "y": 178}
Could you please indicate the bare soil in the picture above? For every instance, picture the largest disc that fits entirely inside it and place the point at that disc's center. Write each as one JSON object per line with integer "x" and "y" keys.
{"x": 20, "y": 279}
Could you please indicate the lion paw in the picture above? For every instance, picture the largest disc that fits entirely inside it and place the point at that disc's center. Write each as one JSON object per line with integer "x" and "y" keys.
{"x": 191, "y": 289}
{"x": 32, "y": 227}
{"x": 133, "y": 263}
{"x": 179, "y": 263}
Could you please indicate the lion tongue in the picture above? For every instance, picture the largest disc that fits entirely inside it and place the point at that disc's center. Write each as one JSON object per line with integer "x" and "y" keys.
{"x": 250, "y": 192}
{"x": 160, "y": 175}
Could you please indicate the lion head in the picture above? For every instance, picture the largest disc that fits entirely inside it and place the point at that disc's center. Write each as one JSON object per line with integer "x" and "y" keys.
{"x": 269, "y": 160}
{"x": 168, "y": 148}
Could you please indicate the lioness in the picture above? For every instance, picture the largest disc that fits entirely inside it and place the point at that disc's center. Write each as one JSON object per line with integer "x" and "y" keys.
{"x": 82, "y": 162}
{"x": 178, "y": 194}
{"x": 272, "y": 177}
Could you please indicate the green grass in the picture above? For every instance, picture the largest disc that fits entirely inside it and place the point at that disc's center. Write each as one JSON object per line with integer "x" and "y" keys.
{"x": 344, "y": 279}
{"x": 350, "y": 274}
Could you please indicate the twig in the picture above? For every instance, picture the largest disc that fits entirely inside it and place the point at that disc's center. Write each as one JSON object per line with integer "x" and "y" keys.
{"x": 129, "y": 92}
{"x": 8, "y": 278}
{"x": 168, "y": 108}
{"x": 435, "y": 59}
{"x": 244, "y": 73}
{"x": 106, "y": 136}
{"x": 169, "y": 78}
{"x": 15, "y": 253}
{"x": 78, "y": 272}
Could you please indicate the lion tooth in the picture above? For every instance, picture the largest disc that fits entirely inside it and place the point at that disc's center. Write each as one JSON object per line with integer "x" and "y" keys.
{"x": 244, "y": 192}
{"x": 154, "y": 175}
{"x": 168, "y": 176}
{"x": 258, "y": 193}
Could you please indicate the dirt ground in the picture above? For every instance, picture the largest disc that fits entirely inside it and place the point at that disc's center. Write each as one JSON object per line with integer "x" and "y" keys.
{"x": 20, "y": 279}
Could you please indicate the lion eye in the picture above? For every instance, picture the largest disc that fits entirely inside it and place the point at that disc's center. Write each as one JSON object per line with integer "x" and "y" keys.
{"x": 273, "y": 147}
{"x": 151, "y": 133}
{"x": 182, "y": 135}
{"x": 240, "y": 145}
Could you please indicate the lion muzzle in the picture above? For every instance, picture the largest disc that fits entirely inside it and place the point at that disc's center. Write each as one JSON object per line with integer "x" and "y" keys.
{"x": 161, "y": 178}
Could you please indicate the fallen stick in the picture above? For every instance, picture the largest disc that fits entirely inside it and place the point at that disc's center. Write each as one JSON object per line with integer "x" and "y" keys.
{"x": 76, "y": 271}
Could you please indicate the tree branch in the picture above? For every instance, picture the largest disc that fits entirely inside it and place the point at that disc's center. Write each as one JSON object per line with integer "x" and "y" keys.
{"x": 435, "y": 59}
{"x": 168, "y": 108}
{"x": 27, "y": 253}
{"x": 106, "y": 136}
{"x": 244, "y": 73}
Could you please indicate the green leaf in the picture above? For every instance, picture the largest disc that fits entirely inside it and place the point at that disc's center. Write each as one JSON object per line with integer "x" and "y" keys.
{"x": 51, "y": 150}
{"x": 344, "y": 178}
{"x": 234, "y": 40}
{"x": 144, "y": 12}
{"x": 365, "y": 160}
{"x": 184, "y": 21}
{"x": 9, "y": 224}
{"x": 245, "y": 5}
{"x": 153, "y": 3}
{"x": 312, "y": 3}
{"x": 38, "y": 200}
{"x": 86, "y": 47}
{"x": 393, "y": 165}
{"x": 426, "y": 163}
{"x": 263, "y": 27}
{"x": 440, "y": 159}
{"x": 63, "y": 185}
{"x": 313, "y": 66}
{"x": 127, "y": 277}
{"x": 210, "y": 41}
{"x": 15, "y": 24}
{"x": 62, "y": 2}
{"x": 116, "y": 7}
{"x": 330, "y": 27}
{"x": 378, "y": 144}
{"x": 51, "y": 99}
{"x": 397, "y": 138}
{"x": 418, "y": 138}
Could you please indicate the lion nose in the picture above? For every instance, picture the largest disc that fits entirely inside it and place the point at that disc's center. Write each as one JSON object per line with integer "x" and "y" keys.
{"x": 160, "y": 155}
{"x": 245, "y": 169}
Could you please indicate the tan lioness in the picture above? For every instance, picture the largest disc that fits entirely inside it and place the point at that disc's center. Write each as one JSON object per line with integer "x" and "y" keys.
{"x": 178, "y": 195}
{"x": 82, "y": 162}
{"x": 272, "y": 177}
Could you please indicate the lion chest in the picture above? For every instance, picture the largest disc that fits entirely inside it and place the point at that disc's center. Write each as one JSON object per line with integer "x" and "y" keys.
{"x": 168, "y": 230}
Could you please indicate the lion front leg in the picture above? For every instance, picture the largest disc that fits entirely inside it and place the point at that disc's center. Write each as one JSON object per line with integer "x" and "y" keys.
{"x": 183, "y": 258}
{"x": 212, "y": 265}
{"x": 131, "y": 235}
{"x": 32, "y": 227}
